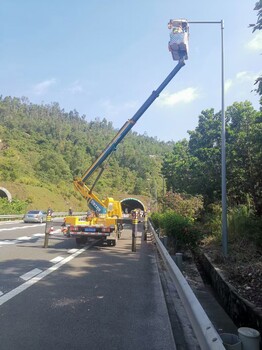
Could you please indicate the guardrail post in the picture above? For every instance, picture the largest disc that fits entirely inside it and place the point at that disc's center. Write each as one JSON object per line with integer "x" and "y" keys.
{"x": 145, "y": 226}
{"x": 178, "y": 260}
{"x": 48, "y": 226}
{"x": 134, "y": 229}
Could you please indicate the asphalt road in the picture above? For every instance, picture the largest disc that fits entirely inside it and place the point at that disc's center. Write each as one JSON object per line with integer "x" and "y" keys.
{"x": 94, "y": 297}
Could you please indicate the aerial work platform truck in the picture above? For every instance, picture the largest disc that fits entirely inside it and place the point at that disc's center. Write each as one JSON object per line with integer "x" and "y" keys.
{"x": 103, "y": 221}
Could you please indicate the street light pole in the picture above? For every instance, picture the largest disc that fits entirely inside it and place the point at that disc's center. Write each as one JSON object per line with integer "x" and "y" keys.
{"x": 223, "y": 139}
{"x": 223, "y": 149}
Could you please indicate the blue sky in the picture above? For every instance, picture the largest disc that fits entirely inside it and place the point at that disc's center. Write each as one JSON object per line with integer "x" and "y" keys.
{"x": 104, "y": 58}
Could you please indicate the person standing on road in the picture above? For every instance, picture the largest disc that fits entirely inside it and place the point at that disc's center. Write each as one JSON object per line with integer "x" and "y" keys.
{"x": 49, "y": 211}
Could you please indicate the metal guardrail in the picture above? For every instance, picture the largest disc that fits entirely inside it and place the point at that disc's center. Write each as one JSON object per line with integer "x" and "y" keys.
{"x": 11, "y": 216}
{"x": 206, "y": 334}
{"x": 20, "y": 216}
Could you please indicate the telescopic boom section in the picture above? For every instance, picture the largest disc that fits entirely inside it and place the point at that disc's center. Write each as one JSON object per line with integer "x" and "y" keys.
{"x": 129, "y": 124}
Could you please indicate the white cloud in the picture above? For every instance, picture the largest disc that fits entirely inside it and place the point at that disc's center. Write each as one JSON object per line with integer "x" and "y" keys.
{"x": 244, "y": 78}
{"x": 42, "y": 88}
{"x": 115, "y": 110}
{"x": 76, "y": 88}
{"x": 184, "y": 96}
{"x": 228, "y": 84}
{"x": 256, "y": 43}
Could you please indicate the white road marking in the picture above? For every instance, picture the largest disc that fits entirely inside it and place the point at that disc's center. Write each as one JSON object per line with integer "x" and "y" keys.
{"x": 72, "y": 251}
{"x": 19, "y": 239}
{"x": 4, "y": 298}
{"x": 24, "y": 238}
{"x": 57, "y": 259}
{"x": 9, "y": 222}
{"x": 7, "y": 241}
{"x": 27, "y": 276}
{"x": 19, "y": 227}
{"x": 57, "y": 231}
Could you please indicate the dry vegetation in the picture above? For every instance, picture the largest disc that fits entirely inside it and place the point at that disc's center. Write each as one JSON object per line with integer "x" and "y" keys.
{"x": 242, "y": 268}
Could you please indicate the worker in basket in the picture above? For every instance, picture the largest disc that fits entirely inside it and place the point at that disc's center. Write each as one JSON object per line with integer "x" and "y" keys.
{"x": 178, "y": 43}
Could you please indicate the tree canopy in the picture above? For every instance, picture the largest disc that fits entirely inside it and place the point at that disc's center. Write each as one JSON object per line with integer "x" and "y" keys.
{"x": 258, "y": 26}
{"x": 43, "y": 144}
{"x": 194, "y": 166}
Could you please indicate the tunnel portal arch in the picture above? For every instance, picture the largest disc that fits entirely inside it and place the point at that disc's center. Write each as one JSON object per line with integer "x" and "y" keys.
{"x": 4, "y": 193}
{"x": 129, "y": 204}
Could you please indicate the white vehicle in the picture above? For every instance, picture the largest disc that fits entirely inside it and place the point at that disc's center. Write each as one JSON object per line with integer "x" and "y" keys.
{"x": 35, "y": 216}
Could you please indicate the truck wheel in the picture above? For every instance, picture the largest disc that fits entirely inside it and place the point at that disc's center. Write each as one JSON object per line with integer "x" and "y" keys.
{"x": 111, "y": 242}
{"x": 83, "y": 240}
{"x": 78, "y": 241}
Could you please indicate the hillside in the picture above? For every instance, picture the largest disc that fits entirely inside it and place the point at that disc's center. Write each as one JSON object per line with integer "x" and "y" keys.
{"x": 43, "y": 148}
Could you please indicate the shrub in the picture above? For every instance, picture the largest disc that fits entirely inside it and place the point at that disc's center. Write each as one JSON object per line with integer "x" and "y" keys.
{"x": 156, "y": 218}
{"x": 212, "y": 221}
{"x": 239, "y": 219}
{"x": 255, "y": 231}
{"x": 242, "y": 223}
{"x": 183, "y": 204}
{"x": 182, "y": 232}
{"x": 15, "y": 207}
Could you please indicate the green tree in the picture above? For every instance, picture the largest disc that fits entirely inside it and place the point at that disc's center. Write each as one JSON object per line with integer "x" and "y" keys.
{"x": 194, "y": 166}
{"x": 177, "y": 168}
{"x": 258, "y": 26}
{"x": 244, "y": 154}
{"x": 44, "y": 144}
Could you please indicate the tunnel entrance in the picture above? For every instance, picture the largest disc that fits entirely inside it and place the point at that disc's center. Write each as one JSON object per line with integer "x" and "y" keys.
{"x": 129, "y": 204}
{"x": 4, "y": 193}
